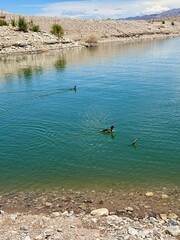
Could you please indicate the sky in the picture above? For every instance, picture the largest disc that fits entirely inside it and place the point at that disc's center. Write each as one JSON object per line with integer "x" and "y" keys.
{"x": 98, "y": 9}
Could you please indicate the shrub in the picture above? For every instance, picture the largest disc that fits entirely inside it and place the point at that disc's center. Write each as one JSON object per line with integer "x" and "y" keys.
{"x": 3, "y": 22}
{"x": 57, "y": 30}
{"x": 92, "y": 38}
{"x": 22, "y": 24}
{"x": 172, "y": 23}
{"x": 163, "y": 22}
{"x": 35, "y": 28}
{"x": 13, "y": 22}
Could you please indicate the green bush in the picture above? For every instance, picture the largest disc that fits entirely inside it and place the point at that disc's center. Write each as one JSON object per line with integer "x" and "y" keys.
{"x": 22, "y": 24}
{"x": 57, "y": 30}
{"x": 35, "y": 28}
{"x": 3, "y": 22}
{"x": 172, "y": 23}
{"x": 13, "y": 22}
{"x": 163, "y": 22}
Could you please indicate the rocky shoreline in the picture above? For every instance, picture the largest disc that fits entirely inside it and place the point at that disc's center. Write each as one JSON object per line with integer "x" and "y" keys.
{"x": 110, "y": 214}
{"x": 78, "y": 31}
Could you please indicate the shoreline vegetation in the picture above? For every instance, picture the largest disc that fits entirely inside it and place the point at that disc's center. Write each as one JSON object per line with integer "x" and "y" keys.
{"x": 75, "y": 33}
{"x": 123, "y": 214}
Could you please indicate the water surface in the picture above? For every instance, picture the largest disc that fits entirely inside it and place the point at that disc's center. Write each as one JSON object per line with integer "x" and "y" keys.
{"x": 50, "y": 136}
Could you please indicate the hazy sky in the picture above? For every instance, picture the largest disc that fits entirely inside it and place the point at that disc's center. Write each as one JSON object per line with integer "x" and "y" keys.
{"x": 88, "y": 9}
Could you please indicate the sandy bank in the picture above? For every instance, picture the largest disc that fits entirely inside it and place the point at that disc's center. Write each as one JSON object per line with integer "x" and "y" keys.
{"x": 77, "y": 31}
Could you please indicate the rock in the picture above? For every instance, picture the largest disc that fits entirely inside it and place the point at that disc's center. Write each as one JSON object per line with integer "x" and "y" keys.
{"x": 65, "y": 213}
{"x": 48, "y": 204}
{"x": 172, "y": 222}
{"x": 172, "y": 216}
{"x": 55, "y": 214}
{"x": 27, "y": 238}
{"x": 13, "y": 217}
{"x": 2, "y": 212}
{"x": 39, "y": 237}
{"x": 100, "y": 212}
{"x": 143, "y": 234}
{"x": 48, "y": 232}
{"x": 149, "y": 194}
{"x": 129, "y": 209}
{"x": 173, "y": 231}
{"x": 132, "y": 231}
{"x": 163, "y": 216}
{"x": 24, "y": 228}
{"x": 164, "y": 196}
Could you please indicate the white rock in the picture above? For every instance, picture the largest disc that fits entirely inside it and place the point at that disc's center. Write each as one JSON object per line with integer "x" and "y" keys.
{"x": 2, "y": 212}
{"x": 174, "y": 231}
{"x": 143, "y": 234}
{"x": 100, "y": 212}
{"x": 132, "y": 231}
{"x": 48, "y": 204}
{"x": 27, "y": 238}
{"x": 13, "y": 217}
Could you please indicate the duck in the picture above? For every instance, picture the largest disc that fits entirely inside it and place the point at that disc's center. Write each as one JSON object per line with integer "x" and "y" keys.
{"x": 107, "y": 130}
{"x": 74, "y": 88}
{"x": 134, "y": 142}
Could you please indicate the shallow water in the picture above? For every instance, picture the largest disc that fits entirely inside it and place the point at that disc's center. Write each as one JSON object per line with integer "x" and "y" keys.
{"x": 50, "y": 135}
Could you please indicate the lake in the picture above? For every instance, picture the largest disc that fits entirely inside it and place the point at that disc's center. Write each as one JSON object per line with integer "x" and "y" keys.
{"x": 50, "y": 135}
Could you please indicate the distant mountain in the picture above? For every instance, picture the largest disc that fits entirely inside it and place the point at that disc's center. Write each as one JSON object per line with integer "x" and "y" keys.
{"x": 166, "y": 14}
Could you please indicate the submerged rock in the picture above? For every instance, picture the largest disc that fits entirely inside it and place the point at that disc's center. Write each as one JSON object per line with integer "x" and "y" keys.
{"x": 149, "y": 194}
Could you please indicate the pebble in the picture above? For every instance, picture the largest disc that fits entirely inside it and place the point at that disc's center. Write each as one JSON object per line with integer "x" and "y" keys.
{"x": 100, "y": 212}
{"x": 165, "y": 196}
{"x": 172, "y": 216}
{"x": 132, "y": 231}
{"x": 55, "y": 214}
{"x": 24, "y": 228}
{"x": 39, "y": 237}
{"x": 2, "y": 212}
{"x": 149, "y": 194}
{"x": 48, "y": 204}
{"x": 13, "y": 217}
{"x": 27, "y": 238}
{"x": 48, "y": 232}
{"x": 65, "y": 213}
{"x": 163, "y": 216}
{"x": 130, "y": 209}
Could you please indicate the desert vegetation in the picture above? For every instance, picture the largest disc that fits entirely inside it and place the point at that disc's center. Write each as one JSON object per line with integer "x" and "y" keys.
{"x": 57, "y": 30}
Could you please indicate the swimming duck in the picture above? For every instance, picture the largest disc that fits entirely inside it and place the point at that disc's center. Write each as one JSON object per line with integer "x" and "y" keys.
{"x": 74, "y": 88}
{"x": 107, "y": 130}
{"x": 133, "y": 144}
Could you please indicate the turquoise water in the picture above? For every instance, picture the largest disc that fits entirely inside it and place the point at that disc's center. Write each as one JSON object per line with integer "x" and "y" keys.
{"x": 50, "y": 136}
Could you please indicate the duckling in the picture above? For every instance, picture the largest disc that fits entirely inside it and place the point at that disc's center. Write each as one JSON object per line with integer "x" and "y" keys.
{"x": 107, "y": 130}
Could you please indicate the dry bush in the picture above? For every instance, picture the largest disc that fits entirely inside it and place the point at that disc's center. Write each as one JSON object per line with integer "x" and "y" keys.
{"x": 92, "y": 38}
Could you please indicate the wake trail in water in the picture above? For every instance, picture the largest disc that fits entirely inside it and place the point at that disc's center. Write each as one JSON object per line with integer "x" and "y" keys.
{"x": 8, "y": 107}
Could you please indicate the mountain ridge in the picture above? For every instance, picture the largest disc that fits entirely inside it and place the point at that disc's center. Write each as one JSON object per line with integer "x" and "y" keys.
{"x": 166, "y": 14}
